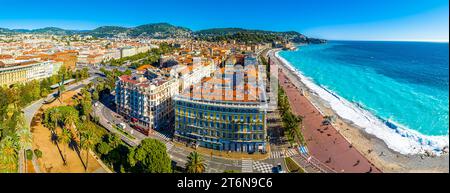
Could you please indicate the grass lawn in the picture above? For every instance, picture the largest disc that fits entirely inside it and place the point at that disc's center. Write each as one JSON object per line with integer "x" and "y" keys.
{"x": 292, "y": 166}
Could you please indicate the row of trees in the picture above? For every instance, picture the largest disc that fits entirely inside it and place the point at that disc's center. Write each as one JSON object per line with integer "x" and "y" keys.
{"x": 14, "y": 135}
{"x": 291, "y": 122}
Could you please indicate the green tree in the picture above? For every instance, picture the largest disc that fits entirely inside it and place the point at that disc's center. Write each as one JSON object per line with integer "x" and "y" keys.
{"x": 150, "y": 157}
{"x": 103, "y": 148}
{"x": 88, "y": 140}
{"x": 8, "y": 155}
{"x": 113, "y": 140}
{"x": 95, "y": 95}
{"x": 70, "y": 118}
{"x": 195, "y": 163}
{"x": 25, "y": 138}
{"x": 66, "y": 138}
{"x": 29, "y": 154}
{"x": 38, "y": 153}
{"x": 55, "y": 116}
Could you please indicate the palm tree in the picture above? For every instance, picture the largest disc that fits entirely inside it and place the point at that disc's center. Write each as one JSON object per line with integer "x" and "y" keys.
{"x": 195, "y": 163}
{"x": 66, "y": 138}
{"x": 8, "y": 154}
{"x": 70, "y": 119}
{"x": 24, "y": 138}
{"x": 24, "y": 141}
{"x": 61, "y": 88}
{"x": 54, "y": 116}
{"x": 88, "y": 140}
{"x": 291, "y": 123}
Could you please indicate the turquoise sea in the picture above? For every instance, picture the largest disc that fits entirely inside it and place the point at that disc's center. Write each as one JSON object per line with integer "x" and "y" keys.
{"x": 403, "y": 84}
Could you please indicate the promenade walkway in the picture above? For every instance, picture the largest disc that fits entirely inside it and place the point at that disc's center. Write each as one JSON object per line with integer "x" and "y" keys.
{"x": 324, "y": 142}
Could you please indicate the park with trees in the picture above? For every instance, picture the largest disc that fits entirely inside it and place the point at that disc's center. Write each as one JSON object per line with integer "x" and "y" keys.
{"x": 14, "y": 133}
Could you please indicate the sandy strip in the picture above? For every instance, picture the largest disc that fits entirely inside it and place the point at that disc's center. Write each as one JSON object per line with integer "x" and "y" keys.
{"x": 332, "y": 142}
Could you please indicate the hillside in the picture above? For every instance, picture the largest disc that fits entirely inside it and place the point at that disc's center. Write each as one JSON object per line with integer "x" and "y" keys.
{"x": 252, "y": 36}
{"x": 160, "y": 30}
{"x": 157, "y": 30}
{"x": 165, "y": 30}
{"x": 107, "y": 31}
{"x": 47, "y": 30}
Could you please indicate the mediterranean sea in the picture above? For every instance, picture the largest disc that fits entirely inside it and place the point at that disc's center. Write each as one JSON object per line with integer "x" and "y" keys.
{"x": 403, "y": 85}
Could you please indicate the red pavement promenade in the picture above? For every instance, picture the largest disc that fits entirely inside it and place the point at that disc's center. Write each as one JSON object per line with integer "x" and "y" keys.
{"x": 324, "y": 142}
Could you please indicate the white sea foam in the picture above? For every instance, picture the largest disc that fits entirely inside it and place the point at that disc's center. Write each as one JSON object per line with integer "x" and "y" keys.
{"x": 400, "y": 139}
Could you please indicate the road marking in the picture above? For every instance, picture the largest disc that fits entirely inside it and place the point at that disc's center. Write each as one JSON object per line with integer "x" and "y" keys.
{"x": 291, "y": 152}
{"x": 275, "y": 154}
{"x": 169, "y": 146}
{"x": 247, "y": 166}
{"x": 262, "y": 167}
{"x": 283, "y": 154}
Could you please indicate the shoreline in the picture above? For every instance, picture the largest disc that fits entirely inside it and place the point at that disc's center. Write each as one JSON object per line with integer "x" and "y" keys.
{"x": 369, "y": 145}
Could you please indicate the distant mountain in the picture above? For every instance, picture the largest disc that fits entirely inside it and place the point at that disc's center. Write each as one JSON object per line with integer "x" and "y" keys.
{"x": 161, "y": 30}
{"x": 5, "y": 31}
{"x": 47, "y": 30}
{"x": 165, "y": 30}
{"x": 53, "y": 30}
{"x": 107, "y": 31}
{"x": 157, "y": 30}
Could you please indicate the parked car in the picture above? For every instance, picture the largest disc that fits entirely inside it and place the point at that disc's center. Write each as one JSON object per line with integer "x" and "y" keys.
{"x": 122, "y": 126}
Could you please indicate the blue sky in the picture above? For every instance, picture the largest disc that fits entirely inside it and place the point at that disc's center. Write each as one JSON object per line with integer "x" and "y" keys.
{"x": 331, "y": 19}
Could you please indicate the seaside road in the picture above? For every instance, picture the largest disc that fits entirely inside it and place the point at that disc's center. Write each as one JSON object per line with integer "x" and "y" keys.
{"x": 324, "y": 142}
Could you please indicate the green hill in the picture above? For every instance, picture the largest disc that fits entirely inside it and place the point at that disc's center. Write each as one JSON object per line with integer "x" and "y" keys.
{"x": 107, "y": 31}
{"x": 160, "y": 30}
{"x": 157, "y": 30}
{"x": 251, "y": 36}
{"x": 165, "y": 30}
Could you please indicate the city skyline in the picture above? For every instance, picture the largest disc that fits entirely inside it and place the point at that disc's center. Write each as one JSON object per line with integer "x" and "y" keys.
{"x": 399, "y": 21}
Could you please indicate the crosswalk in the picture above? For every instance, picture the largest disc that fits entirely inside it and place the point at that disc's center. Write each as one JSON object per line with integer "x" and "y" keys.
{"x": 161, "y": 135}
{"x": 291, "y": 152}
{"x": 247, "y": 166}
{"x": 276, "y": 154}
{"x": 169, "y": 146}
{"x": 283, "y": 154}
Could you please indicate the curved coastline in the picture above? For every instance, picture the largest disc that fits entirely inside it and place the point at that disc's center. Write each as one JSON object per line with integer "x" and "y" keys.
{"x": 397, "y": 137}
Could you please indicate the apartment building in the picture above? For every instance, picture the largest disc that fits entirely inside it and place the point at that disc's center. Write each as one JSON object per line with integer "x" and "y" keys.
{"x": 146, "y": 99}
{"x": 225, "y": 112}
{"x": 27, "y": 71}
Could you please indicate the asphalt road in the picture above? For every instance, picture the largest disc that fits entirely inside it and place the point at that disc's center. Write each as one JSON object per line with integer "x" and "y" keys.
{"x": 108, "y": 118}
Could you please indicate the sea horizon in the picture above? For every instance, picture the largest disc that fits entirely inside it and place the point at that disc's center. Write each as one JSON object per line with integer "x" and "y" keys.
{"x": 412, "y": 41}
